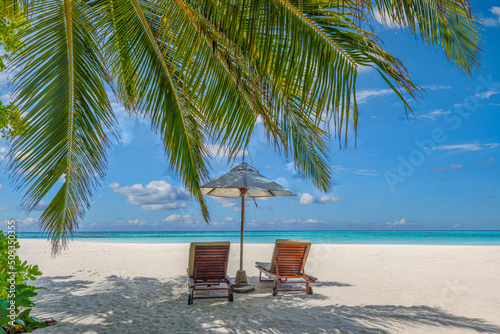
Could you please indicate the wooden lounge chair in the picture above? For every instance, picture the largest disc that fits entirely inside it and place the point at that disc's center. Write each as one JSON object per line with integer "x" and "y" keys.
{"x": 288, "y": 261}
{"x": 207, "y": 269}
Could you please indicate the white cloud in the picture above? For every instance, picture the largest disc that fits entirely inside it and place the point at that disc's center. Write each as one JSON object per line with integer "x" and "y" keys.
{"x": 185, "y": 220}
{"x": 3, "y": 150}
{"x": 135, "y": 222}
{"x": 281, "y": 181}
{"x": 330, "y": 199}
{"x": 468, "y": 146}
{"x": 125, "y": 122}
{"x": 347, "y": 170}
{"x": 24, "y": 222}
{"x": 284, "y": 221}
{"x": 166, "y": 206}
{"x": 434, "y": 114}
{"x": 1, "y": 187}
{"x": 487, "y": 94}
{"x": 363, "y": 95}
{"x": 225, "y": 202}
{"x": 39, "y": 207}
{"x": 156, "y": 195}
{"x": 436, "y": 87}
{"x": 446, "y": 168}
{"x": 365, "y": 69}
{"x": 301, "y": 221}
{"x": 221, "y": 151}
{"x": 492, "y": 21}
{"x": 307, "y": 199}
{"x": 384, "y": 19}
{"x": 490, "y": 162}
{"x": 402, "y": 222}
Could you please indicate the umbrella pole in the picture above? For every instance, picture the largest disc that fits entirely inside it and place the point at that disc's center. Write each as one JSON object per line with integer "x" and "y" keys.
{"x": 243, "y": 191}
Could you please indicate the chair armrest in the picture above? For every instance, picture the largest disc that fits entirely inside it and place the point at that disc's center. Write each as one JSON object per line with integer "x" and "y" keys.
{"x": 230, "y": 280}
{"x": 268, "y": 273}
{"x": 311, "y": 278}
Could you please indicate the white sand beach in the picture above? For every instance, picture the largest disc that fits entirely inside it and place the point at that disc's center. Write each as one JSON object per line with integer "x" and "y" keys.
{"x": 141, "y": 288}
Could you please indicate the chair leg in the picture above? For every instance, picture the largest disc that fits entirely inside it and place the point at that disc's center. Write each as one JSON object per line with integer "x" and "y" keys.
{"x": 307, "y": 288}
{"x": 260, "y": 276}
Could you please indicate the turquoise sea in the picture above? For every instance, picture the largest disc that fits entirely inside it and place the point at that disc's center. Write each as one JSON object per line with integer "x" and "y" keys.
{"x": 317, "y": 237}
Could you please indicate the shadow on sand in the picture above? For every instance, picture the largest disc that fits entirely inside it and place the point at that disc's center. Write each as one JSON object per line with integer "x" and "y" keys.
{"x": 149, "y": 305}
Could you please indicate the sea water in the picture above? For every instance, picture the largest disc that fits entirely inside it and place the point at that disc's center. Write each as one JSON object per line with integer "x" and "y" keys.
{"x": 316, "y": 237}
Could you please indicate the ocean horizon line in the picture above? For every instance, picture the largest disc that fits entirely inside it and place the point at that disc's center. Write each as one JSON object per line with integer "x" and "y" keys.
{"x": 286, "y": 231}
{"x": 409, "y": 237}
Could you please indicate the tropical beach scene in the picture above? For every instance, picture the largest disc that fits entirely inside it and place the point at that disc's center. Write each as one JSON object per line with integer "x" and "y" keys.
{"x": 237, "y": 166}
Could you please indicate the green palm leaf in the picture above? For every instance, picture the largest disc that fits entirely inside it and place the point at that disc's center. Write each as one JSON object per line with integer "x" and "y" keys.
{"x": 203, "y": 71}
{"x": 69, "y": 116}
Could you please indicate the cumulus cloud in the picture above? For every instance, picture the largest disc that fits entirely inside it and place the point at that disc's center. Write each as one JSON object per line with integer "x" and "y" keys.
{"x": 300, "y": 221}
{"x": 307, "y": 198}
{"x": 402, "y": 222}
{"x": 20, "y": 222}
{"x": 492, "y": 21}
{"x": 156, "y": 195}
{"x": 221, "y": 151}
{"x": 446, "y": 168}
{"x": 225, "y": 202}
{"x": 182, "y": 220}
{"x": 277, "y": 222}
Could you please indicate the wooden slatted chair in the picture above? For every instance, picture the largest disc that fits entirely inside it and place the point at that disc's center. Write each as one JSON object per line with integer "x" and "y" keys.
{"x": 288, "y": 262}
{"x": 207, "y": 269}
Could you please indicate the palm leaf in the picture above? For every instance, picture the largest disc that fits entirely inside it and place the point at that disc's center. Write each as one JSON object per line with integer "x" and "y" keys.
{"x": 145, "y": 76}
{"x": 69, "y": 116}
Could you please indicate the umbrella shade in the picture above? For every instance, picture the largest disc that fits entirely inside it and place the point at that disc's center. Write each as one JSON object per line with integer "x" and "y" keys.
{"x": 246, "y": 177}
{"x": 244, "y": 181}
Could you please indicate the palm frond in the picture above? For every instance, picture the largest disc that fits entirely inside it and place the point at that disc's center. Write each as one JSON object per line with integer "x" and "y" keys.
{"x": 145, "y": 76}
{"x": 60, "y": 87}
{"x": 445, "y": 24}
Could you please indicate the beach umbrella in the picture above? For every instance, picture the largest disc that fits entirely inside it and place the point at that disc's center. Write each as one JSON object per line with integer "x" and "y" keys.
{"x": 243, "y": 181}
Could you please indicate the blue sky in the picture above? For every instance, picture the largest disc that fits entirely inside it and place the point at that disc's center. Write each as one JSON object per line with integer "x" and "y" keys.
{"x": 439, "y": 171}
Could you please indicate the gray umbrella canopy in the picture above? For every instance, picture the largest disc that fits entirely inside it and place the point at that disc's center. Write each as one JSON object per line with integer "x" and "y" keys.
{"x": 245, "y": 177}
{"x": 243, "y": 181}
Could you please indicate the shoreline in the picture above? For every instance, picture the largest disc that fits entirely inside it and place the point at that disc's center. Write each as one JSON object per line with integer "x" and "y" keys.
{"x": 104, "y": 241}
{"x": 96, "y": 287}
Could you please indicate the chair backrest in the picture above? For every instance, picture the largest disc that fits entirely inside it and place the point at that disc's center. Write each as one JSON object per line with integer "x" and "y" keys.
{"x": 208, "y": 260}
{"x": 289, "y": 257}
